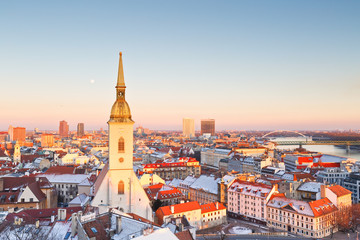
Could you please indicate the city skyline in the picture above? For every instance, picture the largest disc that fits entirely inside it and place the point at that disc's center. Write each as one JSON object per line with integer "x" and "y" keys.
{"x": 250, "y": 66}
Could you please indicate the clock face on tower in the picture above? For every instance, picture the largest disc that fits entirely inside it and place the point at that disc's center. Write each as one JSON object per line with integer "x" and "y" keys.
{"x": 120, "y": 94}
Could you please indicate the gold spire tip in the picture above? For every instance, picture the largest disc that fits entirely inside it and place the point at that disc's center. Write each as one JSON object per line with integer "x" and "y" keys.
{"x": 120, "y": 53}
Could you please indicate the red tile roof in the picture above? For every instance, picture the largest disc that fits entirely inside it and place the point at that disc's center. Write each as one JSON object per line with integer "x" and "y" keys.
{"x": 158, "y": 192}
{"x": 322, "y": 207}
{"x": 184, "y": 235}
{"x": 180, "y": 208}
{"x": 61, "y": 170}
{"x": 339, "y": 190}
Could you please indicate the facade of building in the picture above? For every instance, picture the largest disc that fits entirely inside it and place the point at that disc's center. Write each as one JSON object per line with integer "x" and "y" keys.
{"x": 19, "y": 134}
{"x": 332, "y": 176}
{"x": 249, "y": 199}
{"x": 80, "y": 130}
{"x": 308, "y": 219}
{"x": 339, "y": 196}
{"x": 352, "y": 183}
{"x": 212, "y": 157}
{"x": 199, "y": 216}
{"x": 204, "y": 190}
{"x": 66, "y": 185}
{"x": 188, "y": 127}
{"x": 170, "y": 170}
{"x": 47, "y": 140}
{"x": 63, "y": 129}
{"x": 117, "y": 186}
{"x": 208, "y": 126}
{"x": 168, "y": 195}
{"x": 26, "y": 192}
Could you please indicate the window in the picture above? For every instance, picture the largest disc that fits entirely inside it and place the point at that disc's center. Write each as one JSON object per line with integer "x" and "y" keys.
{"x": 121, "y": 187}
{"x": 31, "y": 199}
{"x": 121, "y": 145}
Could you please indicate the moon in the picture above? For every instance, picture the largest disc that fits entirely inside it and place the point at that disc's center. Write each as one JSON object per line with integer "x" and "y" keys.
{"x": 92, "y": 81}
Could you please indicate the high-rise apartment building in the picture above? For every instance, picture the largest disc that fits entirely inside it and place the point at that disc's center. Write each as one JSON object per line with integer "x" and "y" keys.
{"x": 208, "y": 126}
{"x": 63, "y": 129}
{"x": 188, "y": 127}
{"x": 18, "y": 134}
{"x": 11, "y": 133}
{"x": 47, "y": 140}
{"x": 80, "y": 129}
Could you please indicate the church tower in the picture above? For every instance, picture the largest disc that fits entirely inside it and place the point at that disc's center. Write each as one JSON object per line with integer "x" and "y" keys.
{"x": 117, "y": 186}
{"x": 17, "y": 153}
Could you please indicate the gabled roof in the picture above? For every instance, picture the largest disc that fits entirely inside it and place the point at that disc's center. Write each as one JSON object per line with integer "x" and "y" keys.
{"x": 35, "y": 189}
{"x": 339, "y": 190}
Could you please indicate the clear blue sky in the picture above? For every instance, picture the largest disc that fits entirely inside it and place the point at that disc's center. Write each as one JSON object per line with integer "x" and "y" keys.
{"x": 248, "y": 64}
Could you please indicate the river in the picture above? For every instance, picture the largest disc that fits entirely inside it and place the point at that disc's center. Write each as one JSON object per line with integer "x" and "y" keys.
{"x": 327, "y": 149}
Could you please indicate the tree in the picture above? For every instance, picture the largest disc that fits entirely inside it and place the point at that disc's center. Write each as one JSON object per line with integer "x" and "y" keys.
{"x": 156, "y": 205}
{"x": 347, "y": 218}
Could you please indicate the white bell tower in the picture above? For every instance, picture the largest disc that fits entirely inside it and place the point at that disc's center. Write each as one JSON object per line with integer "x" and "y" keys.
{"x": 119, "y": 186}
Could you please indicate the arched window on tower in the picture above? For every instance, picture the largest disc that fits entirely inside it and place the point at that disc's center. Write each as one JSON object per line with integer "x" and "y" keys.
{"x": 121, "y": 145}
{"x": 121, "y": 187}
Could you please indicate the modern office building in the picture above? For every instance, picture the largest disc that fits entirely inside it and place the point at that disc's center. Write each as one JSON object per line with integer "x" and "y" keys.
{"x": 80, "y": 129}
{"x": 208, "y": 126}
{"x": 188, "y": 127}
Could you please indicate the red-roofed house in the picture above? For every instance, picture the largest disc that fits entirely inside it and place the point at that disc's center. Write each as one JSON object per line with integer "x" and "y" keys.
{"x": 308, "y": 219}
{"x": 213, "y": 214}
{"x": 340, "y": 196}
{"x": 26, "y": 192}
{"x": 166, "y": 194}
{"x": 169, "y": 170}
{"x": 199, "y": 216}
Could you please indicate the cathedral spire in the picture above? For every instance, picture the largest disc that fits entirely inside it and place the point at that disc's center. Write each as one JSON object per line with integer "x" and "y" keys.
{"x": 120, "y": 111}
{"x": 120, "y": 79}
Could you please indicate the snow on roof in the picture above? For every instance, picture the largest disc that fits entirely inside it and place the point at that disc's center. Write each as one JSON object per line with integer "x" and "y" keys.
{"x": 188, "y": 181}
{"x": 207, "y": 183}
{"x": 163, "y": 233}
{"x": 228, "y": 178}
{"x": 250, "y": 189}
{"x": 132, "y": 226}
{"x": 65, "y": 178}
{"x": 332, "y": 158}
{"x": 310, "y": 187}
{"x": 81, "y": 200}
{"x": 60, "y": 229}
{"x": 85, "y": 182}
{"x": 301, "y": 207}
{"x": 175, "y": 182}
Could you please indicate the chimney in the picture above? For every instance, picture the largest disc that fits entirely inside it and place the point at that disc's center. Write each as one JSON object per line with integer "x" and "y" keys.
{"x": 74, "y": 222}
{"x": 323, "y": 191}
{"x": 1, "y": 184}
{"x": 118, "y": 224}
{"x": 172, "y": 209}
{"x": 217, "y": 205}
{"x": 52, "y": 218}
{"x": 37, "y": 223}
{"x": 61, "y": 214}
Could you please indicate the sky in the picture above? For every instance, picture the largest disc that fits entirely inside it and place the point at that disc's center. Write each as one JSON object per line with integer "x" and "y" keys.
{"x": 250, "y": 65}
